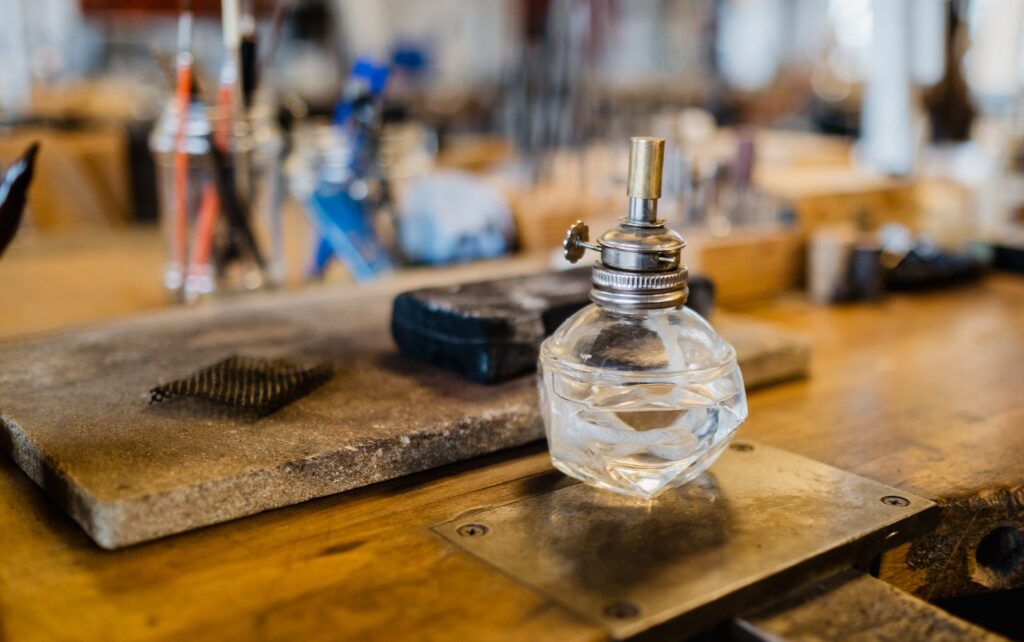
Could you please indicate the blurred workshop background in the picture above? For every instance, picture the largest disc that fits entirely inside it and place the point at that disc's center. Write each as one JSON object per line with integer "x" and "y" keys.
{"x": 189, "y": 150}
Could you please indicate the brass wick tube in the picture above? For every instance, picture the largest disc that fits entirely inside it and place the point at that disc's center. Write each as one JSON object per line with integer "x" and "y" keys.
{"x": 643, "y": 187}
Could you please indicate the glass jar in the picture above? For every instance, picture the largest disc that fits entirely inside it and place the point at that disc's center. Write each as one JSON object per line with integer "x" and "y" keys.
{"x": 638, "y": 394}
{"x": 208, "y": 250}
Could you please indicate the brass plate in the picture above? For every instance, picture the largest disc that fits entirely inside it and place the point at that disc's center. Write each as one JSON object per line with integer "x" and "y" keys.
{"x": 759, "y": 522}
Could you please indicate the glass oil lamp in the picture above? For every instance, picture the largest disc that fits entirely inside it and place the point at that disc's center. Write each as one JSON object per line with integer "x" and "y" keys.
{"x": 638, "y": 393}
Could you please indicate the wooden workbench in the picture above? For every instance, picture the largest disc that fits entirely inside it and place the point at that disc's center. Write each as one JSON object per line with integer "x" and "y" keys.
{"x": 925, "y": 393}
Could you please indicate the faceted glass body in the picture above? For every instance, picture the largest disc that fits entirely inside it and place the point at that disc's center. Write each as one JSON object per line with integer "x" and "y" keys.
{"x": 638, "y": 402}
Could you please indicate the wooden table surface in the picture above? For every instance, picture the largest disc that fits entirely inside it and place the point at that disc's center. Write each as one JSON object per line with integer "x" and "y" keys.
{"x": 922, "y": 392}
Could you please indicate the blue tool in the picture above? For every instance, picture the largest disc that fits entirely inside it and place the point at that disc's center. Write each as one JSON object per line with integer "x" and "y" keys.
{"x": 343, "y": 222}
{"x": 345, "y": 231}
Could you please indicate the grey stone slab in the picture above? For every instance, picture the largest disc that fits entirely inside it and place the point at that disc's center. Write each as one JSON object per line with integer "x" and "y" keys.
{"x": 75, "y": 413}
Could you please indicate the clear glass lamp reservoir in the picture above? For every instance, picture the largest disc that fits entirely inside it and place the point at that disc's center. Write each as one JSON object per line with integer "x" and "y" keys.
{"x": 638, "y": 393}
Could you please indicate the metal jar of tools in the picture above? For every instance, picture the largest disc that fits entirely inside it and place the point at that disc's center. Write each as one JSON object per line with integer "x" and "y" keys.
{"x": 220, "y": 192}
{"x": 638, "y": 393}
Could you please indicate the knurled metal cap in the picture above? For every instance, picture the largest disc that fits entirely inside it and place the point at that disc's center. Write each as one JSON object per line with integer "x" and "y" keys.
{"x": 639, "y": 290}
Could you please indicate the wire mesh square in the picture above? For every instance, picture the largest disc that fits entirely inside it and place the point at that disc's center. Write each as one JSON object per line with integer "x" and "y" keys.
{"x": 248, "y": 384}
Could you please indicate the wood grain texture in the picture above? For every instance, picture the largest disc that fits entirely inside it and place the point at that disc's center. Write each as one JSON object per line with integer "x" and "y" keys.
{"x": 923, "y": 392}
{"x": 363, "y": 565}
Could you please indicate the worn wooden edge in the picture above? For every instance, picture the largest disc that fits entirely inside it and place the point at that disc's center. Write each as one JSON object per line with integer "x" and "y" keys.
{"x": 977, "y": 547}
{"x": 854, "y": 606}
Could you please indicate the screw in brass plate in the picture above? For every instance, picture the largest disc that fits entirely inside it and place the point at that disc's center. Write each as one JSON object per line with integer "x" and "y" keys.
{"x": 895, "y": 500}
{"x": 472, "y": 530}
{"x": 621, "y": 610}
{"x": 742, "y": 447}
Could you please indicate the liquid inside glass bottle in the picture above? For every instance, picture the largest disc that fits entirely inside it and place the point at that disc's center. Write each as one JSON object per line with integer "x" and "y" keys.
{"x": 638, "y": 393}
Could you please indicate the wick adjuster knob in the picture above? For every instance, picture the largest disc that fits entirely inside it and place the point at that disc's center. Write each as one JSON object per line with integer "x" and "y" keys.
{"x": 575, "y": 244}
